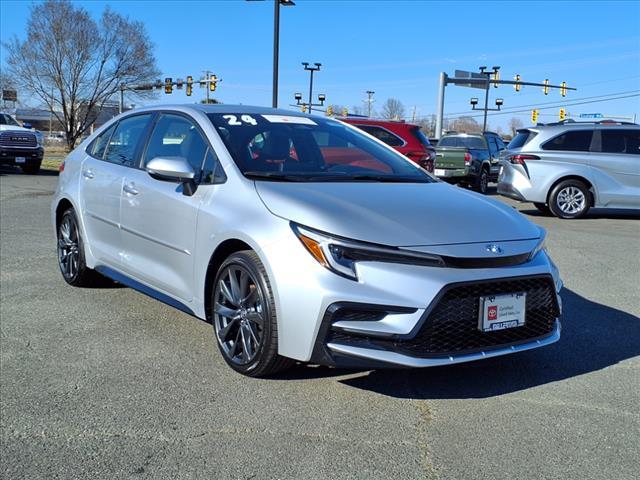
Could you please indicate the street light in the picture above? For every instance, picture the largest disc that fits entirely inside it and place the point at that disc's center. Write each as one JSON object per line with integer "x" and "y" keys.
{"x": 276, "y": 43}
{"x": 311, "y": 70}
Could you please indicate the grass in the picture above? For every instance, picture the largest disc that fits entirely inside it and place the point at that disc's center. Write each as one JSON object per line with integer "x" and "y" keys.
{"x": 53, "y": 157}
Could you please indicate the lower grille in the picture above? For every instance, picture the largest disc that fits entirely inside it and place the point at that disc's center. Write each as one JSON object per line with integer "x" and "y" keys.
{"x": 451, "y": 326}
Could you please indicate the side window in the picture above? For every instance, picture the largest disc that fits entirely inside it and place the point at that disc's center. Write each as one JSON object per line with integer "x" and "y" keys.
{"x": 99, "y": 145}
{"x": 493, "y": 147}
{"x": 177, "y": 136}
{"x": 621, "y": 141}
{"x": 500, "y": 144}
{"x": 579, "y": 141}
{"x": 212, "y": 171}
{"x": 126, "y": 139}
{"x": 383, "y": 135}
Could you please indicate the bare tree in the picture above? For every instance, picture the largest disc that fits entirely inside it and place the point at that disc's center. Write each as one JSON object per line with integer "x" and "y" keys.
{"x": 514, "y": 124}
{"x": 75, "y": 65}
{"x": 466, "y": 124}
{"x": 393, "y": 109}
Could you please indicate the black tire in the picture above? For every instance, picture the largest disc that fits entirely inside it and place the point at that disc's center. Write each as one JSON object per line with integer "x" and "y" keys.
{"x": 482, "y": 181}
{"x": 248, "y": 335}
{"x": 570, "y": 199}
{"x": 70, "y": 251}
{"x": 31, "y": 168}
{"x": 543, "y": 208}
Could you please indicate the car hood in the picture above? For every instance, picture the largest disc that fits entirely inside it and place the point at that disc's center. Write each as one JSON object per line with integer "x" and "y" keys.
{"x": 397, "y": 214}
{"x": 13, "y": 128}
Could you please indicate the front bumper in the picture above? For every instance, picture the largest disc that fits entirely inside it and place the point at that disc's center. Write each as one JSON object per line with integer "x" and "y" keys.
{"x": 9, "y": 155}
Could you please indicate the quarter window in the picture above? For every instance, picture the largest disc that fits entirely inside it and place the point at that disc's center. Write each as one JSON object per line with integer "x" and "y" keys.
{"x": 579, "y": 141}
{"x": 621, "y": 141}
{"x": 212, "y": 171}
{"x": 123, "y": 147}
{"x": 382, "y": 134}
{"x": 100, "y": 143}
{"x": 177, "y": 136}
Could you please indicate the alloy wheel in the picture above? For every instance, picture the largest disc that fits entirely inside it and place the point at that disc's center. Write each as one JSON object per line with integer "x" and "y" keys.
{"x": 239, "y": 317}
{"x": 68, "y": 247}
{"x": 571, "y": 200}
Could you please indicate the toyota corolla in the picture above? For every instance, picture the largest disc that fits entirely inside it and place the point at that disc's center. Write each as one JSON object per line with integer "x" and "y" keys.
{"x": 301, "y": 238}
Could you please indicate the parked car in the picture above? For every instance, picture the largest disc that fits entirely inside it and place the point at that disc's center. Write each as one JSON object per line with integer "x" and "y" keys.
{"x": 301, "y": 238}
{"x": 566, "y": 168}
{"x": 469, "y": 159}
{"x": 406, "y": 138}
{"x": 20, "y": 146}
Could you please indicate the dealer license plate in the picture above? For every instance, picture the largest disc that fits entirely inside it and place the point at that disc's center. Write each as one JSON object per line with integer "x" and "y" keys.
{"x": 20, "y": 160}
{"x": 499, "y": 312}
{"x": 438, "y": 171}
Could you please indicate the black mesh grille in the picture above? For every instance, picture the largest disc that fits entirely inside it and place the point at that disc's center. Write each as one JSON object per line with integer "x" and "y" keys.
{"x": 452, "y": 325}
{"x": 17, "y": 139}
{"x": 354, "y": 315}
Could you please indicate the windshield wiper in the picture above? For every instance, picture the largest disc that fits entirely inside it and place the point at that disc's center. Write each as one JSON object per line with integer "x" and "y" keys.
{"x": 275, "y": 176}
{"x": 389, "y": 178}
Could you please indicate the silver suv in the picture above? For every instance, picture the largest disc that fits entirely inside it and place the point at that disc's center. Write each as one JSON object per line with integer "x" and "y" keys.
{"x": 568, "y": 167}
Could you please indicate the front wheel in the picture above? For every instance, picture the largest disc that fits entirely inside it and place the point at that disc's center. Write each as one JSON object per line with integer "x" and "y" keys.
{"x": 244, "y": 317}
{"x": 570, "y": 199}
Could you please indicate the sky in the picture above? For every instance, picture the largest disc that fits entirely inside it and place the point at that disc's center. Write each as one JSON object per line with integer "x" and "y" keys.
{"x": 395, "y": 48}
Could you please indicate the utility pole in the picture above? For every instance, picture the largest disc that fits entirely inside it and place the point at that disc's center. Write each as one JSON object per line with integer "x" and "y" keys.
{"x": 207, "y": 73}
{"x": 369, "y": 101}
{"x": 413, "y": 116}
{"x": 311, "y": 70}
{"x": 121, "y": 102}
{"x": 443, "y": 83}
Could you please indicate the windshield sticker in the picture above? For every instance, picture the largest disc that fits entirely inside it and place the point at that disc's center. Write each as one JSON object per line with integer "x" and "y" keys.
{"x": 288, "y": 119}
{"x": 233, "y": 120}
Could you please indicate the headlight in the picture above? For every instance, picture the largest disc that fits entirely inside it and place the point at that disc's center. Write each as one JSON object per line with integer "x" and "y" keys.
{"x": 541, "y": 245}
{"x": 39, "y": 138}
{"x": 341, "y": 255}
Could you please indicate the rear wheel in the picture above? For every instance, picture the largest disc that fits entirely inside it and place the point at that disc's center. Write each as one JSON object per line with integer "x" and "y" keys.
{"x": 31, "y": 168}
{"x": 482, "y": 182}
{"x": 71, "y": 254}
{"x": 570, "y": 199}
{"x": 244, "y": 317}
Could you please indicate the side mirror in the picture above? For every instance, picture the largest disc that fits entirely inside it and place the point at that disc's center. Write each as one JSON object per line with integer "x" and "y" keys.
{"x": 173, "y": 169}
{"x": 26, "y": 125}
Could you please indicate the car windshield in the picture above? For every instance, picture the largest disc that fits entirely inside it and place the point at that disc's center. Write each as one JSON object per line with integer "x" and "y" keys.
{"x": 7, "y": 120}
{"x": 476, "y": 143}
{"x": 309, "y": 149}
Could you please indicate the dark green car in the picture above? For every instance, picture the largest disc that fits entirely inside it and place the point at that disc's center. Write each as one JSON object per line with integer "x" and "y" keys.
{"x": 469, "y": 159}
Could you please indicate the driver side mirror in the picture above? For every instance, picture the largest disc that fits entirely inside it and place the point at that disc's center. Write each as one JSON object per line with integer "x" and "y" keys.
{"x": 173, "y": 169}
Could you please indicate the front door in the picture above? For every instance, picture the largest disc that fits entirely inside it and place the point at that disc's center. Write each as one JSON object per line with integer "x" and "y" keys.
{"x": 158, "y": 221}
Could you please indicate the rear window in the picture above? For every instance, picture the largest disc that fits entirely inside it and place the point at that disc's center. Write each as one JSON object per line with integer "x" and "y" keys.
{"x": 521, "y": 139}
{"x": 382, "y": 134}
{"x": 422, "y": 138}
{"x": 621, "y": 141}
{"x": 575, "y": 141}
{"x": 475, "y": 143}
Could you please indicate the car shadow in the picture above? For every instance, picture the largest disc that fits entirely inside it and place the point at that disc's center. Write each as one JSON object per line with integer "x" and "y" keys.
{"x": 594, "y": 337}
{"x": 594, "y": 213}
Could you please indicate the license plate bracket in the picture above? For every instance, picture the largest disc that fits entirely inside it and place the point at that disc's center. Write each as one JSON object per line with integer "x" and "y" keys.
{"x": 499, "y": 312}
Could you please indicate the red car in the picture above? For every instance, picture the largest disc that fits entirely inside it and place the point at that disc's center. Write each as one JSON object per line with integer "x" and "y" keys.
{"x": 407, "y": 138}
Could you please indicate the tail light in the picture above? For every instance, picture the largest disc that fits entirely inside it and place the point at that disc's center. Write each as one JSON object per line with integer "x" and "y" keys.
{"x": 426, "y": 162}
{"x": 61, "y": 167}
{"x": 520, "y": 159}
{"x": 467, "y": 159}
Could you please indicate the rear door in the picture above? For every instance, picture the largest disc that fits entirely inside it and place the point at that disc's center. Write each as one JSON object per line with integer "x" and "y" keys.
{"x": 615, "y": 163}
{"x": 158, "y": 221}
{"x": 110, "y": 156}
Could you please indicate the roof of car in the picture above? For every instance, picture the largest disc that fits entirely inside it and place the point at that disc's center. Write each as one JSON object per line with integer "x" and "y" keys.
{"x": 375, "y": 121}
{"x": 224, "y": 108}
{"x": 584, "y": 125}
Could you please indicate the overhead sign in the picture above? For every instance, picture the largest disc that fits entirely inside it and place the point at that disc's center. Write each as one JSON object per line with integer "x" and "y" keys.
{"x": 465, "y": 74}
{"x": 590, "y": 115}
{"x": 10, "y": 95}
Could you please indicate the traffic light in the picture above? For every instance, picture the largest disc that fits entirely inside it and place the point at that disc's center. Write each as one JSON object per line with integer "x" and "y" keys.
{"x": 496, "y": 77}
{"x": 189, "y": 85}
{"x": 563, "y": 114}
{"x": 534, "y": 115}
{"x": 213, "y": 81}
{"x": 303, "y": 108}
{"x": 563, "y": 89}
{"x": 179, "y": 83}
{"x": 168, "y": 85}
{"x": 345, "y": 112}
{"x": 545, "y": 89}
{"x": 517, "y": 86}
{"x": 329, "y": 111}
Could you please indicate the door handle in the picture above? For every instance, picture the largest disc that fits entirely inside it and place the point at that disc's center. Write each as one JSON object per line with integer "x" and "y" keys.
{"x": 88, "y": 174}
{"x": 130, "y": 188}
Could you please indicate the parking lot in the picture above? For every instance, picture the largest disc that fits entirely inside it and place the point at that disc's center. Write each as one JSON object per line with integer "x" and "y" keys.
{"x": 109, "y": 383}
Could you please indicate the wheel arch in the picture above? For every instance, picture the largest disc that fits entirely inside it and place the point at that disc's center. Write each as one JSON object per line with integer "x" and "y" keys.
{"x": 63, "y": 205}
{"x": 579, "y": 178}
{"x": 222, "y": 251}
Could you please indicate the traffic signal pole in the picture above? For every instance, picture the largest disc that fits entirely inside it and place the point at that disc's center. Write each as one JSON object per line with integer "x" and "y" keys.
{"x": 440, "y": 114}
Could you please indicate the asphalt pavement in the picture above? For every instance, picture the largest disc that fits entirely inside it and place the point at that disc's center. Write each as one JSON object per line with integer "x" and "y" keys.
{"x": 108, "y": 383}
